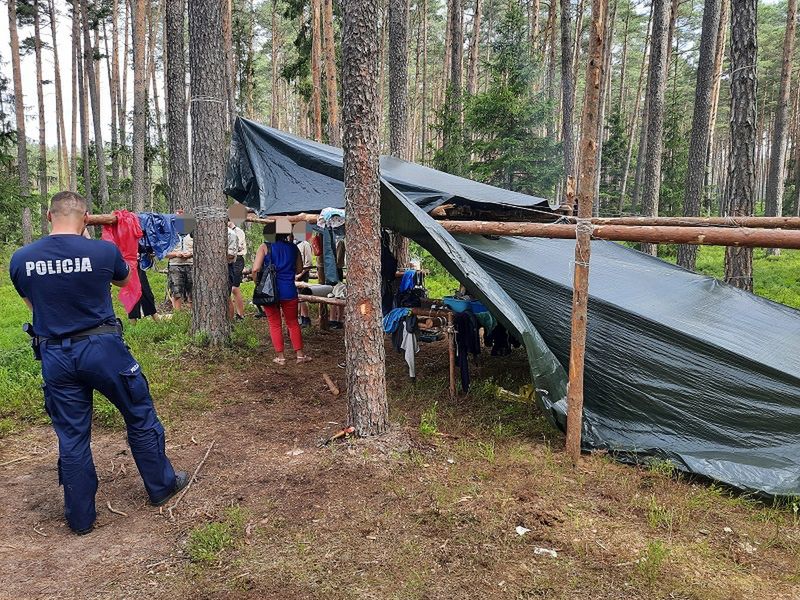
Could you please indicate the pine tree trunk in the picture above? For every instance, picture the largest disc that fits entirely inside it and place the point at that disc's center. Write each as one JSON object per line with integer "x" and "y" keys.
{"x": 175, "y": 86}
{"x": 77, "y": 34}
{"x": 207, "y": 66}
{"x": 113, "y": 191}
{"x": 19, "y": 109}
{"x": 398, "y": 98}
{"x": 94, "y": 96}
{"x": 456, "y": 54}
{"x": 73, "y": 160}
{"x": 139, "y": 102}
{"x": 576, "y": 42}
{"x": 42, "y": 161}
{"x": 398, "y": 78}
{"x": 316, "y": 67}
{"x": 366, "y": 376}
{"x": 474, "y": 49}
{"x": 656, "y": 89}
{"x": 63, "y": 157}
{"x": 742, "y": 165}
{"x": 567, "y": 101}
{"x": 777, "y": 169}
{"x": 274, "y": 119}
{"x": 424, "y": 106}
{"x": 608, "y": 47}
{"x": 550, "y": 83}
{"x": 114, "y": 91}
{"x": 717, "y": 84}
{"x": 122, "y": 113}
{"x": 534, "y": 26}
{"x": 701, "y": 125}
{"x": 623, "y": 67}
{"x": 230, "y": 69}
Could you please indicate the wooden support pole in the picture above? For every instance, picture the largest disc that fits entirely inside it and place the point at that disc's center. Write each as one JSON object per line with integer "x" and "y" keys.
{"x": 583, "y": 233}
{"x": 698, "y": 236}
{"x": 759, "y": 236}
{"x": 451, "y": 350}
{"x": 754, "y": 222}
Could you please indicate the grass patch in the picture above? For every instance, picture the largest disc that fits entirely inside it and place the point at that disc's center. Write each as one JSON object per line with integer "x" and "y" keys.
{"x": 428, "y": 421}
{"x": 650, "y": 565}
{"x": 206, "y": 542}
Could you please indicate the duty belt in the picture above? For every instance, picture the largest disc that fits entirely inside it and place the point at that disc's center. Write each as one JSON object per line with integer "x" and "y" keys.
{"x": 82, "y": 335}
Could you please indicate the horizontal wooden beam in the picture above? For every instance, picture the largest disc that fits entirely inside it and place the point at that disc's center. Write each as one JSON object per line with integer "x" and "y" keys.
{"x": 696, "y": 236}
{"x": 750, "y": 237}
{"x": 754, "y": 222}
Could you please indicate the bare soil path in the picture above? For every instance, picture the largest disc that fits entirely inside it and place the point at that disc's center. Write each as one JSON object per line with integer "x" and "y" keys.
{"x": 407, "y": 516}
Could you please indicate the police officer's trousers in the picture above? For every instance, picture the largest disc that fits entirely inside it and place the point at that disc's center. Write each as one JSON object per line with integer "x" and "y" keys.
{"x": 71, "y": 372}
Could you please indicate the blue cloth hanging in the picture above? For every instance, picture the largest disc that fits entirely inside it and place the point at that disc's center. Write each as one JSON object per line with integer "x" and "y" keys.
{"x": 159, "y": 236}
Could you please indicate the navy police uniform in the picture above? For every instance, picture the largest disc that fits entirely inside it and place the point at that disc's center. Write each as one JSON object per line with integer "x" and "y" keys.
{"x": 66, "y": 278}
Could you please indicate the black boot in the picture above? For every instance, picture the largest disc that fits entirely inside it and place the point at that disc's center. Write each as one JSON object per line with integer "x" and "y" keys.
{"x": 181, "y": 481}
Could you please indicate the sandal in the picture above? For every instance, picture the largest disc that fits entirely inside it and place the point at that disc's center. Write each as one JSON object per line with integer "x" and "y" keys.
{"x": 279, "y": 361}
{"x": 304, "y": 359}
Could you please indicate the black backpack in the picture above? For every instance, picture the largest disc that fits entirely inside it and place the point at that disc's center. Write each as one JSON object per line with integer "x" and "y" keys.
{"x": 266, "y": 290}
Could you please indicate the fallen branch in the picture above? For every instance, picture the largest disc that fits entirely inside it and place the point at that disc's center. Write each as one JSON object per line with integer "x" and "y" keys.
{"x": 331, "y": 386}
{"x": 114, "y": 510}
{"x": 41, "y": 533}
{"x": 16, "y": 460}
{"x": 191, "y": 481}
{"x": 343, "y": 433}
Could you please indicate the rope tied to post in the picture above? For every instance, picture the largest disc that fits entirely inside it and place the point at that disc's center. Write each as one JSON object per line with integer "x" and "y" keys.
{"x": 583, "y": 226}
{"x": 210, "y": 213}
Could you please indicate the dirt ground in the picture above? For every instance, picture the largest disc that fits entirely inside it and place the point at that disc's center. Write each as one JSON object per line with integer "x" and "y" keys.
{"x": 406, "y": 516}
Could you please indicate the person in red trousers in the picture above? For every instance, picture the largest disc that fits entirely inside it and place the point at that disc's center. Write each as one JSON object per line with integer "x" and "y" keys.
{"x": 288, "y": 263}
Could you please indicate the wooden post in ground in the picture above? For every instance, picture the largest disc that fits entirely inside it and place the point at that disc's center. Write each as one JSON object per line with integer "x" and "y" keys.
{"x": 451, "y": 348}
{"x": 586, "y": 190}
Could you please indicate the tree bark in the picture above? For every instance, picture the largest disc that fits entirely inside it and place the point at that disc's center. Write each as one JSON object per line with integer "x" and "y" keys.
{"x": 316, "y": 67}
{"x": 73, "y": 162}
{"x": 424, "y": 106}
{"x": 331, "y": 85}
{"x": 474, "y": 49}
{"x": 742, "y": 165}
{"x": 567, "y": 100}
{"x": 122, "y": 113}
{"x": 580, "y": 297}
{"x": 718, "y": 60}
{"x": 19, "y": 109}
{"x": 94, "y": 97}
{"x": 550, "y": 83}
{"x": 274, "y": 119}
{"x": 659, "y": 57}
{"x": 207, "y": 66}
{"x": 535, "y": 6}
{"x": 229, "y": 58}
{"x": 623, "y": 66}
{"x": 82, "y": 102}
{"x": 777, "y": 167}
{"x": 701, "y": 124}
{"x": 63, "y": 158}
{"x": 366, "y": 377}
{"x": 42, "y": 161}
{"x": 398, "y": 99}
{"x": 175, "y": 85}
{"x": 114, "y": 190}
{"x": 139, "y": 102}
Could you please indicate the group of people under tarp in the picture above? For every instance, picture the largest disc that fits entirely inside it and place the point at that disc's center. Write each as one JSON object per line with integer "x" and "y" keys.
{"x": 403, "y": 325}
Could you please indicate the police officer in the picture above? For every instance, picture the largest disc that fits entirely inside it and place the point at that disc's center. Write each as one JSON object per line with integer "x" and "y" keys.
{"x": 64, "y": 279}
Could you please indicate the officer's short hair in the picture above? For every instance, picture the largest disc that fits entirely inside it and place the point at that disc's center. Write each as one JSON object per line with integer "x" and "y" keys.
{"x": 66, "y": 204}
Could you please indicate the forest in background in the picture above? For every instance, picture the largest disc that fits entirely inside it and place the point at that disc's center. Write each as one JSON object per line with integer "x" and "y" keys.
{"x": 492, "y": 90}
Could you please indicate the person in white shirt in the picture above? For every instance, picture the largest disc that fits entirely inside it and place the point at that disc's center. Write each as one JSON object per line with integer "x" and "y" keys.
{"x": 305, "y": 254}
{"x": 237, "y": 268}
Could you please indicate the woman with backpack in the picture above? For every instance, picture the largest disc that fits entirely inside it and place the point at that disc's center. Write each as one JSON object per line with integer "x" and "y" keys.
{"x": 281, "y": 260}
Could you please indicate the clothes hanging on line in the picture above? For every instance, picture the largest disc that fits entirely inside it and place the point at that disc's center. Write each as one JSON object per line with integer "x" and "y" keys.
{"x": 125, "y": 235}
{"x": 500, "y": 341}
{"x": 331, "y": 217}
{"x": 404, "y": 340}
{"x": 329, "y": 256}
{"x": 392, "y": 321}
{"x": 467, "y": 342}
{"x": 159, "y": 236}
{"x": 388, "y": 271}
